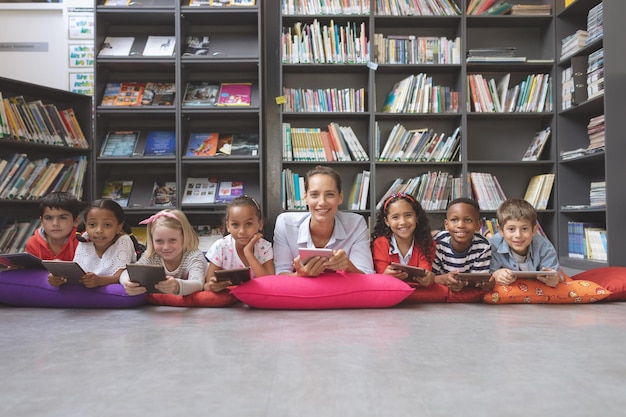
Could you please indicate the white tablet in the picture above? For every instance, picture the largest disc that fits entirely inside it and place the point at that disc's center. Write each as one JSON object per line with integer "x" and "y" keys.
{"x": 306, "y": 254}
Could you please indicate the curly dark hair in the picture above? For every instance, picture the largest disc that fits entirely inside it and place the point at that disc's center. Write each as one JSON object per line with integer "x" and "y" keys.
{"x": 422, "y": 234}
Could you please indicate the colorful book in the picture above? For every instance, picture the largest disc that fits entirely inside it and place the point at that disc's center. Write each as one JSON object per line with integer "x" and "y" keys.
{"x": 235, "y": 94}
{"x": 158, "y": 94}
{"x": 229, "y": 190}
{"x": 119, "y": 143}
{"x": 201, "y": 93}
{"x": 224, "y": 144}
{"x": 130, "y": 94}
{"x": 111, "y": 90}
{"x": 163, "y": 194}
{"x": 118, "y": 191}
{"x": 202, "y": 144}
{"x": 160, "y": 143}
{"x": 200, "y": 191}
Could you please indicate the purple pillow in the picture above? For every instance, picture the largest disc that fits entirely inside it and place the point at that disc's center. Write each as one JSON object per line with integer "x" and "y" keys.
{"x": 30, "y": 288}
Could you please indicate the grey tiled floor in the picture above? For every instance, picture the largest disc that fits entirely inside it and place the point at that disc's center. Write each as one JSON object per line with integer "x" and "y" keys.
{"x": 416, "y": 360}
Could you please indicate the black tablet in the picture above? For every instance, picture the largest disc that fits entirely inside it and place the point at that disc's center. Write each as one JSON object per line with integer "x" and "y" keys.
{"x": 412, "y": 271}
{"x": 22, "y": 260}
{"x": 235, "y": 276}
{"x": 71, "y": 271}
{"x": 473, "y": 279}
{"x": 146, "y": 275}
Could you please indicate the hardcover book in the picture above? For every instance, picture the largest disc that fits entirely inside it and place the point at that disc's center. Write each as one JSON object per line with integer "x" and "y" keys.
{"x": 159, "y": 46}
{"x": 197, "y": 45}
{"x": 224, "y": 144}
{"x": 116, "y": 46}
{"x": 235, "y": 94}
{"x": 160, "y": 143}
{"x": 536, "y": 146}
{"x": 228, "y": 191}
{"x": 118, "y": 191}
{"x": 245, "y": 144}
{"x": 163, "y": 194}
{"x": 202, "y": 144}
{"x": 200, "y": 191}
{"x": 119, "y": 143}
{"x": 159, "y": 94}
{"x": 201, "y": 94}
{"x": 130, "y": 94}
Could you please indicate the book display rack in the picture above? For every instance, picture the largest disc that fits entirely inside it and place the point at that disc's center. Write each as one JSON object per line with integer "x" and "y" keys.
{"x": 589, "y": 138}
{"x": 39, "y": 147}
{"x": 216, "y": 45}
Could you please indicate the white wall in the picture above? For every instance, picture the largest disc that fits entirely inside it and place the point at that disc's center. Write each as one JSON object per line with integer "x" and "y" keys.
{"x": 38, "y": 22}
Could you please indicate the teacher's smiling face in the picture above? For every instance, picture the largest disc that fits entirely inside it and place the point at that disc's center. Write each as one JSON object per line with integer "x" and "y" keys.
{"x": 323, "y": 198}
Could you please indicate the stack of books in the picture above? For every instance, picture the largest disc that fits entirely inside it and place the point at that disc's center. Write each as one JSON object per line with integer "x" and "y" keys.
{"x": 595, "y": 29}
{"x": 494, "y": 54}
{"x": 595, "y": 74}
{"x": 531, "y": 9}
{"x": 573, "y": 43}
{"x": 595, "y": 131}
{"x": 597, "y": 194}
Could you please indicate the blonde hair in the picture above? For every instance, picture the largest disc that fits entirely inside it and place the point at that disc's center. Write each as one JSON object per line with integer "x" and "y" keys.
{"x": 178, "y": 221}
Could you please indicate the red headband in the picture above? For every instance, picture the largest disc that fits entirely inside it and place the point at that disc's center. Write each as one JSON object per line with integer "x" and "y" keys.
{"x": 397, "y": 195}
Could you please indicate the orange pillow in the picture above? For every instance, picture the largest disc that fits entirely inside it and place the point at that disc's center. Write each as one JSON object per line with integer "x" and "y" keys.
{"x": 197, "y": 299}
{"x": 532, "y": 291}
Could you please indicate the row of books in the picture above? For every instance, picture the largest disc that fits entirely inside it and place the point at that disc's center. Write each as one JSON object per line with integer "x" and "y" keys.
{"x": 34, "y": 121}
{"x": 331, "y": 44}
{"x": 417, "y": 8}
{"x": 15, "y": 234}
{"x": 212, "y": 3}
{"x": 533, "y": 94}
{"x": 539, "y": 190}
{"x": 200, "y": 93}
{"x": 25, "y": 179}
{"x": 420, "y": 145}
{"x": 418, "y": 94}
{"x": 326, "y": 7}
{"x": 338, "y": 143}
{"x": 324, "y": 100}
{"x": 586, "y": 241}
{"x": 595, "y": 74}
{"x": 489, "y": 227}
{"x": 164, "y": 193}
{"x": 411, "y": 49}
{"x": 357, "y": 199}
{"x": 486, "y": 190}
{"x": 127, "y": 143}
{"x": 432, "y": 189}
{"x": 292, "y": 186}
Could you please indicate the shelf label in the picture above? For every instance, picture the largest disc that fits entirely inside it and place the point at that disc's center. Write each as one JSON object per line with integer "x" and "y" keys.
{"x": 281, "y": 100}
{"x": 23, "y": 46}
{"x": 372, "y": 65}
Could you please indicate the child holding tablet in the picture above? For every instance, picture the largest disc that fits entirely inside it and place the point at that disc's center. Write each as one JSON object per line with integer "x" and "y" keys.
{"x": 105, "y": 247}
{"x": 243, "y": 246}
{"x": 402, "y": 236}
{"x": 518, "y": 247}
{"x": 173, "y": 244}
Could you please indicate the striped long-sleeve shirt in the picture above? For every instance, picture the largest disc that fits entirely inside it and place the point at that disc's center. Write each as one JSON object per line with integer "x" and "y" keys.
{"x": 475, "y": 259}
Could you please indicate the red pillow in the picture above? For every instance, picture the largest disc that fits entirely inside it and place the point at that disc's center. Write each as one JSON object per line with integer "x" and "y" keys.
{"x": 197, "y": 299}
{"x": 434, "y": 294}
{"x": 329, "y": 290}
{"x": 613, "y": 278}
{"x": 466, "y": 295}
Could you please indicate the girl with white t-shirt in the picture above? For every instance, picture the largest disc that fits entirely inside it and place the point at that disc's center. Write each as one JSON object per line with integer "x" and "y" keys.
{"x": 105, "y": 247}
{"x": 243, "y": 246}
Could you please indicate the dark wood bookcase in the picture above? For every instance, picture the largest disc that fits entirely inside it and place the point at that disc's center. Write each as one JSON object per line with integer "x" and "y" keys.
{"x": 235, "y": 55}
{"x": 490, "y": 142}
{"x": 575, "y": 175}
{"x": 29, "y": 209}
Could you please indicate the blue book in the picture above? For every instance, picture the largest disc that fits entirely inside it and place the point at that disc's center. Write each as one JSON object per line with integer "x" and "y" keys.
{"x": 160, "y": 143}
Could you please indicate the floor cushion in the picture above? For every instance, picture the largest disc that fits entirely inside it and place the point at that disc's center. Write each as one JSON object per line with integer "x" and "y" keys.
{"x": 327, "y": 291}
{"x": 532, "y": 291}
{"x": 197, "y": 299}
{"x": 30, "y": 288}
{"x": 613, "y": 278}
{"x": 434, "y": 294}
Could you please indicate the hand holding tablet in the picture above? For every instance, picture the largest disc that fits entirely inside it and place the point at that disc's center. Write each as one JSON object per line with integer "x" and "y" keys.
{"x": 236, "y": 276}
{"x": 146, "y": 275}
{"x": 306, "y": 254}
{"x": 69, "y": 270}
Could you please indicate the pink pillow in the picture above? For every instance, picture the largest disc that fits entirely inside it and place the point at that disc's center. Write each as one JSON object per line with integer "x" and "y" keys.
{"x": 613, "y": 278}
{"x": 197, "y": 299}
{"x": 329, "y": 290}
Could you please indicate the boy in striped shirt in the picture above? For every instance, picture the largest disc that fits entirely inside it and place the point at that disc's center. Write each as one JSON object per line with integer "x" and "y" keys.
{"x": 460, "y": 247}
